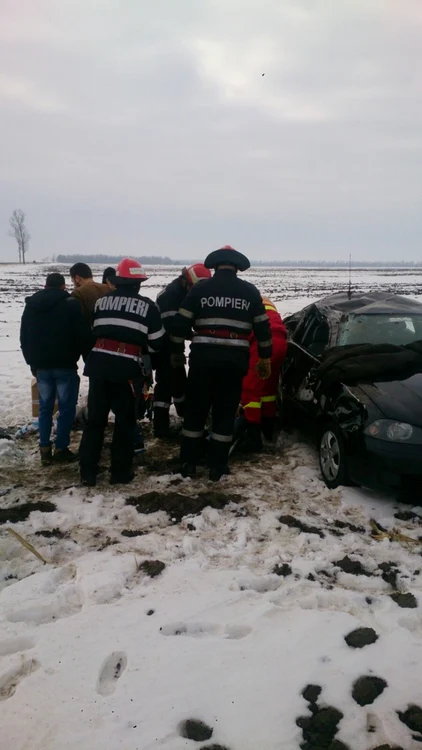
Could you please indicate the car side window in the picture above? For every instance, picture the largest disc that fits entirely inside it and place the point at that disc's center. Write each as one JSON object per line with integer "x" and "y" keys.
{"x": 316, "y": 336}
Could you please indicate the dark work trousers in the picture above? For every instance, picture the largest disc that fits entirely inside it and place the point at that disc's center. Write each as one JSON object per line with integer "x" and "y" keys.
{"x": 170, "y": 383}
{"x": 105, "y": 396}
{"x": 217, "y": 387}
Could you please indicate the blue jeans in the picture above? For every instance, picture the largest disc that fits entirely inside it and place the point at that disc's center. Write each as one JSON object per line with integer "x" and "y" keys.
{"x": 64, "y": 383}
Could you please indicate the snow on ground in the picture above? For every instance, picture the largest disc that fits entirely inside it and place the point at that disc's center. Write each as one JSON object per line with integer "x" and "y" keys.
{"x": 253, "y": 603}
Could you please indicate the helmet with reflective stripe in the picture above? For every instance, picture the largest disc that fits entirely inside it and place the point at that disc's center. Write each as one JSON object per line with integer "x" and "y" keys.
{"x": 196, "y": 273}
{"x": 227, "y": 255}
{"x": 129, "y": 271}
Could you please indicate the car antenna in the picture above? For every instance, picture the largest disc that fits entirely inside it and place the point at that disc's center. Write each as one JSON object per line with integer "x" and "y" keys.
{"x": 349, "y": 291}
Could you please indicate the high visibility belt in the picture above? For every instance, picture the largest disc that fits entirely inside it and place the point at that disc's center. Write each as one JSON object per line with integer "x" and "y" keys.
{"x": 117, "y": 347}
{"x": 268, "y": 399}
{"x": 161, "y": 405}
{"x": 270, "y": 307}
{"x": 223, "y": 333}
{"x": 253, "y": 405}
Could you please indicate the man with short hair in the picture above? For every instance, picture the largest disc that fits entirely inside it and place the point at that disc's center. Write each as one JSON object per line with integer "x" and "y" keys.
{"x": 86, "y": 291}
{"x": 54, "y": 334}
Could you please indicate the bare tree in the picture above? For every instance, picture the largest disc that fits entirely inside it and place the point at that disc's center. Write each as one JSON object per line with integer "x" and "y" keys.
{"x": 19, "y": 231}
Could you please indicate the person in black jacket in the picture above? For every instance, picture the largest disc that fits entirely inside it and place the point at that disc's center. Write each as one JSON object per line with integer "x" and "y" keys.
{"x": 223, "y": 311}
{"x": 171, "y": 382}
{"x": 126, "y": 327}
{"x": 54, "y": 334}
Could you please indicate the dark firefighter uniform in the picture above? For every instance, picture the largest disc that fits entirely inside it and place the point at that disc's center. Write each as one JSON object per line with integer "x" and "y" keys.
{"x": 170, "y": 383}
{"x": 223, "y": 311}
{"x": 126, "y": 326}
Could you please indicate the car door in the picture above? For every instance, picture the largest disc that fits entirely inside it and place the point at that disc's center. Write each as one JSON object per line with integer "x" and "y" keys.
{"x": 308, "y": 342}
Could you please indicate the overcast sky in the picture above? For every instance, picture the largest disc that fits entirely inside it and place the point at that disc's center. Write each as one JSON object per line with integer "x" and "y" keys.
{"x": 146, "y": 127}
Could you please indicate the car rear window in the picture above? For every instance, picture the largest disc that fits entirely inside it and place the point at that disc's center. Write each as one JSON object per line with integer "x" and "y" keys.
{"x": 381, "y": 329}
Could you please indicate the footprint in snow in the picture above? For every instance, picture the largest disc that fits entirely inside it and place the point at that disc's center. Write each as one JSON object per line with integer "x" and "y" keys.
{"x": 200, "y": 630}
{"x": 11, "y": 679}
{"x": 15, "y": 645}
{"x": 112, "y": 668}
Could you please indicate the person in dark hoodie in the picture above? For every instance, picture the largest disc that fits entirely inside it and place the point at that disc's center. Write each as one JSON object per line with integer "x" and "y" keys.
{"x": 54, "y": 334}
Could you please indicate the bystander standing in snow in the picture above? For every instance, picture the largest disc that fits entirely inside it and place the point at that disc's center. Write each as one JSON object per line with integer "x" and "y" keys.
{"x": 54, "y": 334}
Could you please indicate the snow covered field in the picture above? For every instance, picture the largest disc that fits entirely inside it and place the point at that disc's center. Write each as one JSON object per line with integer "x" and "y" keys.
{"x": 261, "y": 578}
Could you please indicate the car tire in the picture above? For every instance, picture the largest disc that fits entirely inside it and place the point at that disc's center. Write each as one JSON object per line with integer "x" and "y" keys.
{"x": 332, "y": 456}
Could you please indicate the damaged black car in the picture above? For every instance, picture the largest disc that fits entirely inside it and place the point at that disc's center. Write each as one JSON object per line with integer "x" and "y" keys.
{"x": 353, "y": 378}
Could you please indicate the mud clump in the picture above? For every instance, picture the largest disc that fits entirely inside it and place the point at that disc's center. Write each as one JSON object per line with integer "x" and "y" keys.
{"x": 198, "y": 731}
{"x": 152, "y": 568}
{"x": 51, "y": 533}
{"x": 21, "y": 512}
{"x": 361, "y": 637}
{"x": 294, "y": 523}
{"x": 354, "y": 567}
{"x": 412, "y": 717}
{"x": 130, "y": 533}
{"x": 367, "y": 689}
{"x": 320, "y": 729}
{"x": 390, "y": 572}
{"x": 407, "y": 601}
{"x": 177, "y": 506}
{"x": 214, "y": 747}
{"x": 351, "y": 526}
{"x": 311, "y": 693}
{"x": 407, "y": 515}
{"x": 282, "y": 570}
{"x": 387, "y": 747}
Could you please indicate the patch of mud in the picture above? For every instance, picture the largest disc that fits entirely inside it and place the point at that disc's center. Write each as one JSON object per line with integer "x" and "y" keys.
{"x": 178, "y": 506}
{"x": 407, "y": 601}
{"x": 295, "y": 523}
{"x": 51, "y": 534}
{"x": 133, "y": 533}
{"x": 195, "y": 730}
{"x": 17, "y": 513}
{"x": 367, "y": 689}
{"x": 361, "y": 637}
{"x": 354, "y": 567}
{"x": 350, "y": 526}
{"x": 152, "y": 568}
{"x": 390, "y": 572}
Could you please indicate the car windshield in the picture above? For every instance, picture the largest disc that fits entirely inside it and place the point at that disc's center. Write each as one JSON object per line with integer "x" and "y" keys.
{"x": 381, "y": 329}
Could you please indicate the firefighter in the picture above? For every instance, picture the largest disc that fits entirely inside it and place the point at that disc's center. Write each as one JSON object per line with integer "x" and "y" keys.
{"x": 171, "y": 382}
{"x": 222, "y": 311}
{"x": 126, "y": 326}
{"x": 259, "y": 397}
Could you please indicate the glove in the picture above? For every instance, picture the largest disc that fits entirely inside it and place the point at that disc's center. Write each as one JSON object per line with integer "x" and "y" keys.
{"x": 177, "y": 359}
{"x": 263, "y": 368}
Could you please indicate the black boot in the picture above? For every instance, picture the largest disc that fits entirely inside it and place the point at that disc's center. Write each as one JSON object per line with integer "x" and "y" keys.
{"x": 252, "y": 440}
{"x": 188, "y": 470}
{"x": 216, "y": 472}
{"x": 122, "y": 477}
{"x": 162, "y": 429}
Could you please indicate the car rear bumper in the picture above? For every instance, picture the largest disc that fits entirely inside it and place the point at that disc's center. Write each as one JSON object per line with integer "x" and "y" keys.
{"x": 379, "y": 463}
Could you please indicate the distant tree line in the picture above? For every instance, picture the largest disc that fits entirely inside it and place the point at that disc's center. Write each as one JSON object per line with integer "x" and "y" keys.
{"x": 110, "y": 259}
{"x": 165, "y": 261}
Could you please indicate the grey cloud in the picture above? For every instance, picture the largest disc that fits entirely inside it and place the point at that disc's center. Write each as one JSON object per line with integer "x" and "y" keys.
{"x": 149, "y": 127}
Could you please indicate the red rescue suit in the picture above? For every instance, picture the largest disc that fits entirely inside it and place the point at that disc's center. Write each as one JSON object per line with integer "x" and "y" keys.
{"x": 259, "y": 396}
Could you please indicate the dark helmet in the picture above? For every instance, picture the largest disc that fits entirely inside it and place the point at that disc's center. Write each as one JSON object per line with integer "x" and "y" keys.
{"x": 227, "y": 255}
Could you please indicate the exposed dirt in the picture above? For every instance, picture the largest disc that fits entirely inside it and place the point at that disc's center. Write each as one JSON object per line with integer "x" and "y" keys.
{"x": 320, "y": 729}
{"x": 351, "y": 526}
{"x": 133, "y": 532}
{"x": 51, "y": 534}
{"x": 177, "y": 506}
{"x": 295, "y": 523}
{"x": 367, "y": 689}
{"x": 311, "y": 693}
{"x": 195, "y": 730}
{"x": 407, "y": 601}
{"x": 412, "y": 717}
{"x": 354, "y": 567}
{"x": 152, "y": 568}
{"x": 282, "y": 570}
{"x": 361, "y": 637}
{"x": 17, "y": 513}
{"x": 390, "y": 572}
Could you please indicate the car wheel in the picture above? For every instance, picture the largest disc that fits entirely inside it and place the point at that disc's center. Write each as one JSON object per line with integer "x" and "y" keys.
{"x": 332, "y": 456}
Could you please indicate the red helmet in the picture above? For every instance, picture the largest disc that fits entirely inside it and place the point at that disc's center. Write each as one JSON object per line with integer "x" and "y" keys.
{"x": 196, "y": 273}
{"x": 129, "y": 271}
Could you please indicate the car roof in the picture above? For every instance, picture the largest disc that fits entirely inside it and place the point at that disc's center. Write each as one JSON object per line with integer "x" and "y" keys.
{"x": 370, "y": 303}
